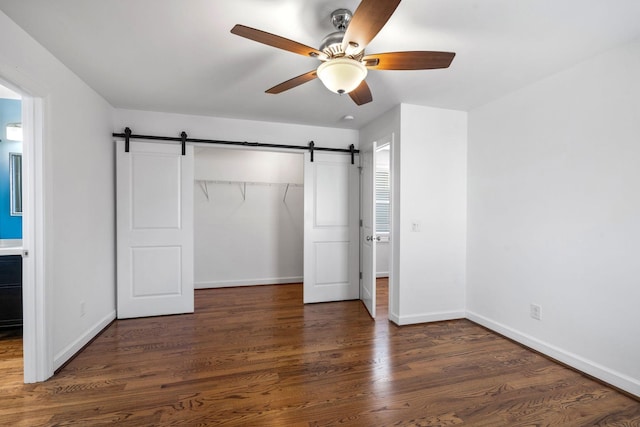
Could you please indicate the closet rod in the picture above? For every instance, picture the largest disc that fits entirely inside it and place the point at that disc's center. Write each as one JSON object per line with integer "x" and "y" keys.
{"x": 127, "y": 135}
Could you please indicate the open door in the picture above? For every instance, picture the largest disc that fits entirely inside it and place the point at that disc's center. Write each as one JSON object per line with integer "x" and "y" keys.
{"x": 154, "y": 229}
{"x": 368, "y": 236}
{"x": 331, "y": 199}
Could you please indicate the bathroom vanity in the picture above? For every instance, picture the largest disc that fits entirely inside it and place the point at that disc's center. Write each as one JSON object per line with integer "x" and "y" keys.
{"x": 10, "y": 283}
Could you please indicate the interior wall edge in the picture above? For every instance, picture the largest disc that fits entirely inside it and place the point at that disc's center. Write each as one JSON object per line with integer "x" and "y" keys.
{"x": 616, "y": 379}
{"x": 78, "y": 344}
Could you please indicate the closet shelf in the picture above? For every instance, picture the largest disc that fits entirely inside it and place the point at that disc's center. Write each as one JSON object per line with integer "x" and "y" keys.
{"x": 204, "y": 186}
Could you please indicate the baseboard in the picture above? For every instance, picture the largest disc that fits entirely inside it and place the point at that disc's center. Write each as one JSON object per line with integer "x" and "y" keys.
{"x": 382, "y": 274}
{"x": 73, "y": 348}
{"x": 394, "y": 318}
{"x": 247, "y": 282}
{"x": 438, "y": 316}
{"x": 616, "y": 379}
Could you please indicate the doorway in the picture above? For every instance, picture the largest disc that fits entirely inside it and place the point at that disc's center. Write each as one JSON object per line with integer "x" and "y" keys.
{"x": 25, "y": 200}
{"x": 248, "y": 217}
{"x": 257, "y": 212}
{"x": 382, "y": 179}
{"x": 331, "y": 205}
{"x": 11, "y": 318}
{"x": 375, "y": 223}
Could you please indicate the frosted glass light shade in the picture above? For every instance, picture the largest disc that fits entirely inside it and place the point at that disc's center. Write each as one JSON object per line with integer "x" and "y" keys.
{"x": 342, "y": 75}
{"x": 14, "y": 131}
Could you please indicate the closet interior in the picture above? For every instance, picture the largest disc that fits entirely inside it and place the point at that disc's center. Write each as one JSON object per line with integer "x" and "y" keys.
{"x": 248, "y": 217}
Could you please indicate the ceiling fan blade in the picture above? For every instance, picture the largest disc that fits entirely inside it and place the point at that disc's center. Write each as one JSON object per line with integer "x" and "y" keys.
{"x": 277, "y": 41}
{"x": 291, "y": 83}
{"x": 367, "y": 21}
{"x": 362, "y": 94}
{"x": 417, "y": 60}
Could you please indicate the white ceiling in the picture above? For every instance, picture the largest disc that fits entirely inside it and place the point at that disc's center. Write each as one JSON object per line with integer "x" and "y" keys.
{"x": 179, "y": 56}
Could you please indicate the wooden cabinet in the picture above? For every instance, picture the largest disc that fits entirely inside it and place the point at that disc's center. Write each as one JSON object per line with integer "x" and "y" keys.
{"x": 10, "y": 291}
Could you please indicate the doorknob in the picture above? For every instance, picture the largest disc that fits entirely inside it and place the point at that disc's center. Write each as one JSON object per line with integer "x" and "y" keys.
{"x": 378, "y": 238}
{"x": 369, "y": 238}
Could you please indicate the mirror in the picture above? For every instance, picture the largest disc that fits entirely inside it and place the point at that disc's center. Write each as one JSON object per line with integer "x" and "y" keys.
{"x": 15, "y": 178}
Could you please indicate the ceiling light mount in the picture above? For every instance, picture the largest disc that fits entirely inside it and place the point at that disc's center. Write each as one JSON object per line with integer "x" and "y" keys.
{"x": 340, "y": 19}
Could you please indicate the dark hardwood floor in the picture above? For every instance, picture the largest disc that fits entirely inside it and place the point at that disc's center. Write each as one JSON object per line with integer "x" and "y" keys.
{"x": 257, "y": 356}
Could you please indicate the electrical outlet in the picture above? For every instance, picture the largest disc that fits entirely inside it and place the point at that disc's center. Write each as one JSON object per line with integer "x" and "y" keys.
{"x": 82, "y": 308}
{"x": 536, "y": 312}
{"x": 415, "y": 226}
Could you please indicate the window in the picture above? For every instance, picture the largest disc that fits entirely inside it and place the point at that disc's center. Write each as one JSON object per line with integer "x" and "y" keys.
{"x": 383, "y": 207}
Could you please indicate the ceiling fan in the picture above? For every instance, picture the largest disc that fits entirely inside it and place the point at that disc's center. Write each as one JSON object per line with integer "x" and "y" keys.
{"x": 344, "y": 62}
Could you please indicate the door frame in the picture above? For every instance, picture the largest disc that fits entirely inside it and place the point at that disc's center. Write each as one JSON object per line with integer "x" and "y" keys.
{"x": 376, "y": 144}
{"x": 371, "y": 208}
{"x": 36, "y": 330}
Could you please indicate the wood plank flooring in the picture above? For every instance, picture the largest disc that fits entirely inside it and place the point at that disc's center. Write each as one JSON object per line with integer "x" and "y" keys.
{"x": 257, "y": 356}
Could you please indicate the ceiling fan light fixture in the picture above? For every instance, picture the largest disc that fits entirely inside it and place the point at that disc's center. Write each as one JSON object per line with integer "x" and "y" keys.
{"x": 342, "y": 75}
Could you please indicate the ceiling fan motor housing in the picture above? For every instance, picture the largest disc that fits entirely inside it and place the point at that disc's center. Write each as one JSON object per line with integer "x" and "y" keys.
{"x": 332, "y": 44}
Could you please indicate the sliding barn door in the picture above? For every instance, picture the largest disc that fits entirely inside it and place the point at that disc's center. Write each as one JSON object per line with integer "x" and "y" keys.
{"x": 154, "y": 229}
{"x": 331, "y": 207}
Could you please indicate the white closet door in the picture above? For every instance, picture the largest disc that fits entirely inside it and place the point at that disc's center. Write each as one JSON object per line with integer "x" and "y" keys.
{"x": 368, "y": 236}
{"x": 154, "y": 229}
{"x": 331, "y": 207}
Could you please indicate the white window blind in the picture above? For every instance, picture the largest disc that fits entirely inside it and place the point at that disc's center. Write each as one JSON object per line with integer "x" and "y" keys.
{"x": 383, "y": 208}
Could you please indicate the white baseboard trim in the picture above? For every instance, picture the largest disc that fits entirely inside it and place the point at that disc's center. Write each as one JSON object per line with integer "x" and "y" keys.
{"x": 382, "y": 274}
{"x": 69, "y": 351}
{"x": 624, "y": 382}
{"x": 394, "y": 318}
{"x": 429, "y": 317}
{"x": 247, "y": 282}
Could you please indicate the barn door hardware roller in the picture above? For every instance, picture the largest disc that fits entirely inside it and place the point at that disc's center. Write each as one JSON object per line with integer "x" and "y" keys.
{"x": 312, "y": 145}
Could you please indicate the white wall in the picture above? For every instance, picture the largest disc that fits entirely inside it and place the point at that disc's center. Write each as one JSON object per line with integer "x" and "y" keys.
{"x": 78, "y": 176}
{"x": 256, "y": 239}
{"x": 554, "y": 208}
{"x": 170, "y": 124}
{"x": 428, "y": 156}
{"x": 432, "y": 151}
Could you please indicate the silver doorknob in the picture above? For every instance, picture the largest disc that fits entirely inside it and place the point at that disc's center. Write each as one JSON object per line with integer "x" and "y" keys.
{"x": 369, "y": 238}
{"x": 378, "y": 238}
